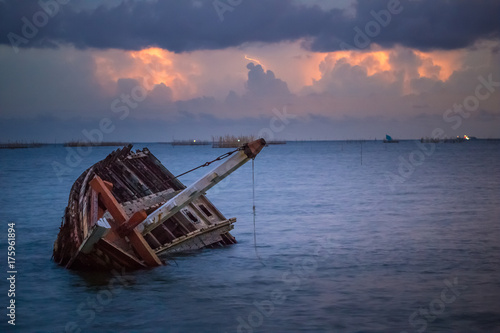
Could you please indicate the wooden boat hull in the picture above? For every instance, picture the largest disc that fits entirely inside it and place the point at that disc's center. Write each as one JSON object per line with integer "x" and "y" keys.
{"x": 138, "y": 182}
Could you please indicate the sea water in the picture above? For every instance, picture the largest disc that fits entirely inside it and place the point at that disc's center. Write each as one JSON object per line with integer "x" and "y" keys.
{"x": 349, "y": 237}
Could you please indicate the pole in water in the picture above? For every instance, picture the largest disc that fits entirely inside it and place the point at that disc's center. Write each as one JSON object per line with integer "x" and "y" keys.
{"x": 361, "y": 152}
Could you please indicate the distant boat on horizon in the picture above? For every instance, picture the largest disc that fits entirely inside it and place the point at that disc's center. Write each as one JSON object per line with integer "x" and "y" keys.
{"x": 389, "y": 139}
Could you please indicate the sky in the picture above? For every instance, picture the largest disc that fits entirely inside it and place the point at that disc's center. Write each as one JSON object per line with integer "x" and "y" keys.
{"x": 143, "y": 71}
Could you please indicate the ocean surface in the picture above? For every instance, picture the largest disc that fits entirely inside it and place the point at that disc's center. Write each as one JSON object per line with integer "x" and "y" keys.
{"x": 350, "y": 237}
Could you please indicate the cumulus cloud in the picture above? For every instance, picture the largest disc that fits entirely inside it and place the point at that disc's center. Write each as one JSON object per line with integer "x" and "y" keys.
{"x": 399, "y": 82}
{"x": 345, "y": 79}
{"x": 356, "y": 93}
{"x": 263, "y": 91}
{"x": 263, "y": 84}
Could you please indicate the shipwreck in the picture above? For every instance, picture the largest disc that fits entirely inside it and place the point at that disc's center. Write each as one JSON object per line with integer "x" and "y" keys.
{"x": 128, "y": 212}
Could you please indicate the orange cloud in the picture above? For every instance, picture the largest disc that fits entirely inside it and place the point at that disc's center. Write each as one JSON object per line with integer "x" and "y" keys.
{"x": 149, "y": 67}
{"x": 437, "y": 65}
{"x": 215, "y": 73}
{"x": 447, "y": 61}
{"x": 309, "y": 69}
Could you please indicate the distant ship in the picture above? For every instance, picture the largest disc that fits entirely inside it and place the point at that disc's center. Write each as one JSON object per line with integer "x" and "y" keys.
{"x": 458, "y": 139}
{"x": 389, "y": 139}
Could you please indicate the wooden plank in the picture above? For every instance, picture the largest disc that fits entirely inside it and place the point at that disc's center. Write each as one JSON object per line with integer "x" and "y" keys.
{"x": 135, "y": 178}
{"x": 108, "y": 185}
{"x": 94, "y": 207}
{"x": 164, "y": 228}
{"x": 138, "y": 168}
{"x": 136, "y": 240}
{"x": 146, "y": 202}
{"x": 96, "y": 233}
{"x": 127, "y": 193}
{"x": 84, "y": 209}
{"x": 197, "y": 240}
{"x": 196, "y": 189}
{"x": 126, "y": 227}
{"x": 150, "y": 238}
{"x": 119, "y": 255}
{"x": 204, "y": 220}
{"x": 158, "y": 180}
{"x": 183, "y": 223}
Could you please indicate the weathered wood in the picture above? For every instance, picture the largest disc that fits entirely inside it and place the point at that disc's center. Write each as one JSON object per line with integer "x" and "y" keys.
{"x": 119, "y": 255}
{"x": 166, "y": 230}
{"x": 96, "y": 233}
{"x": 147, "y": 202}
{"x": 201, "y": 185}
{"x": 109, "y": 185}
{"x": 152, "y": 241}
{"x": 94, "y": 207}
{"x": 197, "y": 239}
{"x": 127, "y": 227}
{"x": 83, "y": 205}
{"x": 131, "y": 183}
{"x": 119, "y": 216}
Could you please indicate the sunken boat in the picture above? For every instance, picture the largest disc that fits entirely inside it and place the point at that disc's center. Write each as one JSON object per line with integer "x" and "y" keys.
{"x": 129, "y": 211}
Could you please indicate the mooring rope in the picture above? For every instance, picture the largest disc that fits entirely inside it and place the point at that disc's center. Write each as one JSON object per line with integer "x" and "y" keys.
{"x": 221, "y": 157}
{"x": 254, "y": 214}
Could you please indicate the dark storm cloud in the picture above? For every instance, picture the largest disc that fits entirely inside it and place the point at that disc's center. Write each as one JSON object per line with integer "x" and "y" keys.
{"x": 195, "y": 25}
